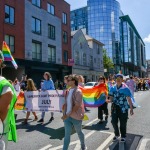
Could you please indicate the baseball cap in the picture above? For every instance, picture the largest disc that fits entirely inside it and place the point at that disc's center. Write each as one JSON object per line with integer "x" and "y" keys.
{"x": 119, "y": 75}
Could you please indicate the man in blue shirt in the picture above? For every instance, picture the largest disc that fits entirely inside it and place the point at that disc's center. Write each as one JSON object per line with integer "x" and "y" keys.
{"x": 120, "y": 96}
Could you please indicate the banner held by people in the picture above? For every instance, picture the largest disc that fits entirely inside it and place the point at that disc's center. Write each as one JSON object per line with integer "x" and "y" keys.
{"x": 52, "y": 100}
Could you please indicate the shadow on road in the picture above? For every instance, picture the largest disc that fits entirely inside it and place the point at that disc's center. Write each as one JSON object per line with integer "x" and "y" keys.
{"x": 97, "y": 126}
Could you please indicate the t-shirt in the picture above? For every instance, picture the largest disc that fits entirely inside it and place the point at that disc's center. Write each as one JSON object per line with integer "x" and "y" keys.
{"x": 119, "y": 97}
{"x": 69, "y": 101}
{"x": 6, "y": 88}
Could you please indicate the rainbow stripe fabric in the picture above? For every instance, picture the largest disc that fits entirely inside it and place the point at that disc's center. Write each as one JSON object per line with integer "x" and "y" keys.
{"x": 95, "y": 96}
{"x": 7, "y": 54}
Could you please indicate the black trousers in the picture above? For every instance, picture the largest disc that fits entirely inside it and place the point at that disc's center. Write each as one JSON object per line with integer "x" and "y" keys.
{"x": 122, "y": 117}
{"x": 102, "y": 110}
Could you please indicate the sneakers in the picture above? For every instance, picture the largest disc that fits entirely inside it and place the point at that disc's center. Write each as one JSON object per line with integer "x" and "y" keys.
{"x": 123, "y": 140}
{"x": 51, "y": 119}
{"x": 41, "y": 120}
{"x": 115, "y": 138}
{"x": 85, "y": 148}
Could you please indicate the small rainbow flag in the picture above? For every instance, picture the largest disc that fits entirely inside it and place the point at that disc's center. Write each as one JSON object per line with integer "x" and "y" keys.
{"x": 95, "y": 96}
{"x": 7, "y": 54}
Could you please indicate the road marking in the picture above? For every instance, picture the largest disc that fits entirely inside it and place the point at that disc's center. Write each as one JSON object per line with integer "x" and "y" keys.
{"x": 107, "y": 141}
{"x": 135, "y": 142}
{"x": 121, "y": 146}
{"x": 74, "y": 142}
{"x": 46, "y": 147}
{"x": 143, "y": 144}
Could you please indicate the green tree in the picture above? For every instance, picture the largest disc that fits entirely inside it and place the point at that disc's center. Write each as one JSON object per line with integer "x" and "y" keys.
{"x": 108, "y": 63}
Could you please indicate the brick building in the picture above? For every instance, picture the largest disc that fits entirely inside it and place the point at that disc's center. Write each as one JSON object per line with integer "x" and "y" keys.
{"x": 38, "y": 34}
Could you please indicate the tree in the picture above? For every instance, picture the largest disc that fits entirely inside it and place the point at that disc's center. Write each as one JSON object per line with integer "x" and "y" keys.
{"x": 108, "y": 63}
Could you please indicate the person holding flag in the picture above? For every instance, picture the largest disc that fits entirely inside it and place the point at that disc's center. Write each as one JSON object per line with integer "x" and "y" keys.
{"x": 7, "y": 101}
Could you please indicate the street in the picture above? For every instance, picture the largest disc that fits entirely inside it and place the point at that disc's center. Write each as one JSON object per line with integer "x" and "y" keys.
{"x": 50, "y": 136}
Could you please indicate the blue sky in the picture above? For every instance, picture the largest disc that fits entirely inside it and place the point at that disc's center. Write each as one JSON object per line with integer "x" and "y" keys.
{"x": 139, "y": 12}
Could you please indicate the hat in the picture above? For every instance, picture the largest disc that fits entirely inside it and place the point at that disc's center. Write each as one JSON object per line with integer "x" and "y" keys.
{"x": 119, "y": 75}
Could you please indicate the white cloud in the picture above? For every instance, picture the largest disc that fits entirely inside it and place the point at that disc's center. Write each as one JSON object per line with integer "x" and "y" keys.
{"x": 147, "y": 39}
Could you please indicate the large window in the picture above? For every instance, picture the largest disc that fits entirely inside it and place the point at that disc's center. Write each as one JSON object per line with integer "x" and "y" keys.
{"x": 36, "y": 25}
{"x": 64, "y": 18}
{"x": 52, "y": 54}
{"x": 65, "y": 37}
{"x": 9, "y": 14}
{"x": 84, "y": 59}
{"x": 51, "y": 32}
{"x": 66, "y": 56}
{"x": 36, "y": 50}
{"x": 51, "y": 8}
{"x": 10, "y": 40}
{"x": 36, "y": 3}
{"x": 77, "y": 58}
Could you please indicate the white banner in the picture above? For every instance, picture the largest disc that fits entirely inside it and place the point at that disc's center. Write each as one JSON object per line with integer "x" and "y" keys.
{"x": 51, "y": 100}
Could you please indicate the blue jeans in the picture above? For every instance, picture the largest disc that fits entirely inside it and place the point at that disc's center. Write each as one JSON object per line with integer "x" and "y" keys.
{"x": 69, "y": 122}
{"x": 43, "y": 114}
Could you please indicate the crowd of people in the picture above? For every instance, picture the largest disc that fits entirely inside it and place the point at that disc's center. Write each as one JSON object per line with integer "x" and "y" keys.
{"x": 121, "y": 89}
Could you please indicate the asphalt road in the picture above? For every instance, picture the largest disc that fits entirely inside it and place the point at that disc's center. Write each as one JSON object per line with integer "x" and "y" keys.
{"x": 49, "y": 136}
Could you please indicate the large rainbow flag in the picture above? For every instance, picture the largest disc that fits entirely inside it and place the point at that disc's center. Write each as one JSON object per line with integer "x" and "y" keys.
{"x": 95, "y": 96}
{"x": 7, "y": 54}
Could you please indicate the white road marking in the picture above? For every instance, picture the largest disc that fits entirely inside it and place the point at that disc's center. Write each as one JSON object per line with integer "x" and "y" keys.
{"x": 74, "y": 142}
{"x": 143, "y": 144}
{"x": 107, "y": 141}
{"x": 46, "y": 147}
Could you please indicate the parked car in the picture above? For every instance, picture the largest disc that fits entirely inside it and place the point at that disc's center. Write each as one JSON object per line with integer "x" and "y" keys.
{"x": 90, "y": 84}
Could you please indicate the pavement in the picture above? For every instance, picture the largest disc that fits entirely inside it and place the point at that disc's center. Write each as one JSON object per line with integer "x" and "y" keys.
{"x": 50, "y": 135}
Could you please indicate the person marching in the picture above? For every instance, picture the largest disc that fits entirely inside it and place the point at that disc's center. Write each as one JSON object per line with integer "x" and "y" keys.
{"x": 73, "y": 112}
{"x": 8, "y": 99}
{"x": 104, "y": 108}
{"x": 48, "y": 84}
{"x": 30, "y": 87}
{"x": 120, "y": 104}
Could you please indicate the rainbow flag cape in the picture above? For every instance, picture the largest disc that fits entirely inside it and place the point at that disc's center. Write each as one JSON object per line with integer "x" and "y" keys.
{"x": 7, "y": 54}
{"x": 95, "y": 96}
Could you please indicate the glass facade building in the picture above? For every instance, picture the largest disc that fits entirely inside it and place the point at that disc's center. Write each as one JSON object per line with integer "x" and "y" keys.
{"x": 132, "y": 48}
{"x": 103, "y": 24}
{"x": 79, "y": 19}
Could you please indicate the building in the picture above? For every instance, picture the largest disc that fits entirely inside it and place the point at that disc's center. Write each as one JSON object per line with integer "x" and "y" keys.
{"x": 79, "y": 19}
{"x": 103, "y": 19}
{"x": 133, "y": 55}
{"x": 148, "y": 68}
{"x": 38, "y": 34}
{"x": 88, "y": 56}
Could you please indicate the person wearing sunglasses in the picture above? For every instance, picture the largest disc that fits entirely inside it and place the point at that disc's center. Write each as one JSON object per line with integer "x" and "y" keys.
{"x": 73, "y": 113}
{"x": 7, "y": 101}
{"x": 120, "y": 96}
{"x": 103, "y": 109}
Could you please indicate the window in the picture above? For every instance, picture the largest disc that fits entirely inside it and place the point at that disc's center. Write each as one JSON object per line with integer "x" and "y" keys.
{"x": 77, "y": 58}
{"x": 36, "y": 25}
{"x": 64, "y": 18}
{"x": 65, "y": 56}
{"x": 36, "y": 3}
{"x": 9, "y": 14}
{"x": 98, "y": 49}
{"x": 84, "y": 59}
{"x": 51, "y": 8}
{"x": 36, "y": 50}
{"x": 10, "y": 40}
{"x": 51, "y": 32}
{"x": 52, "y": 54}
{"x": 65, "y": 38}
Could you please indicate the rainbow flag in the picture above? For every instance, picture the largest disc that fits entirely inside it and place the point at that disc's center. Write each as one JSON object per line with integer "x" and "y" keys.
{"x": 95, "y": 96}
{"x": 7, "y": 54}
